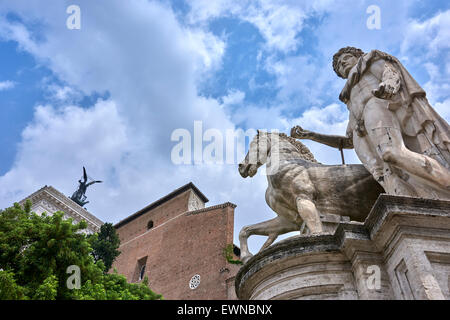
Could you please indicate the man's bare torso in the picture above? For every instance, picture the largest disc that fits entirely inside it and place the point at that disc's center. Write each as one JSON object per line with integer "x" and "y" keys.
{"x": 361, "y": 94}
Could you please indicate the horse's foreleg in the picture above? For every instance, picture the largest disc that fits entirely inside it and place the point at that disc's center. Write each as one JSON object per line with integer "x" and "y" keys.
{"x": 309, "y": 214}
{"x": 271, "y": 228}
{"x": 243, "y": 237}
{"x": 303, "y": 228}
{"x": 269, "y": 241}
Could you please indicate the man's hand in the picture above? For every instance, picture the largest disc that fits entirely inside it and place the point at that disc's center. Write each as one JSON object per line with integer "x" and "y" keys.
{"x": 385, "y": 91}
{"x": 390, "y": 85}
{"x": 299, "y": 133}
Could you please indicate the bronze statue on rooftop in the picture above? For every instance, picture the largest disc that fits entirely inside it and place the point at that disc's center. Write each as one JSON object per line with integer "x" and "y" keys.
{"x": 79, "y": 195}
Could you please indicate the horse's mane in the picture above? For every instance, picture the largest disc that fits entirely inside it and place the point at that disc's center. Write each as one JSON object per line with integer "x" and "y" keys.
{"x": 305, "y": 153}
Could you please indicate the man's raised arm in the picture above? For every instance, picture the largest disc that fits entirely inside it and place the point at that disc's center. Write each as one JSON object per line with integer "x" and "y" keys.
{"x": 338, "y": 142}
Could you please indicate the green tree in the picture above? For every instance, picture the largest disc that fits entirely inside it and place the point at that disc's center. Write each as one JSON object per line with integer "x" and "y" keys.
{"x": 47, "y": 290}
{"x": 35, "y": 252}
{"x": 105, "y": 244}
{"x": 9, "y": 289}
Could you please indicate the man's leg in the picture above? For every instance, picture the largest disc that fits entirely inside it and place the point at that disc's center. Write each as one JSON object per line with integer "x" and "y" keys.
{"x": 370, "y": 158}
{"x": 392, "y": 150}
{"x": 385, "y": 134}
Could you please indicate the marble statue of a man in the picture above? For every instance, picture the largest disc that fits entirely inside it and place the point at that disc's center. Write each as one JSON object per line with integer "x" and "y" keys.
{"x": 397, "y": 135}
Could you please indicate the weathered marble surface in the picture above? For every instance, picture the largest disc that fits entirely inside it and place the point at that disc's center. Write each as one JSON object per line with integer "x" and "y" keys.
{"x": 398, "y": 136}
{"x": 302, "y": 191}
{"x": 407, "y": 238}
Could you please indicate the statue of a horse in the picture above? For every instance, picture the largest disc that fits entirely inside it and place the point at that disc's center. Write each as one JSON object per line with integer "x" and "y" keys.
{"x": 300, "y": 188}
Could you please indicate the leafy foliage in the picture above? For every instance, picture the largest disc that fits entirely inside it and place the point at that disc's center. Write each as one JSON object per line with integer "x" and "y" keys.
{"x": 105, "y": 244}
{"x": 228, "y": 254}
{"x": 47, "y": 290}
{"x": 9, "y": 289}
{"x": 115, "y": 287}
{"x": 35, "y": 252}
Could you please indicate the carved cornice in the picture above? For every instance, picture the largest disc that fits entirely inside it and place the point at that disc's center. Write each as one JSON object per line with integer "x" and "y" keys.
{"x": 219, "y": 206}
{"x": 53, "y": 200}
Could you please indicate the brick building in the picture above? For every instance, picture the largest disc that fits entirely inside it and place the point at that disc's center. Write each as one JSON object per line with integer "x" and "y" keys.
{"x": 178, "y": 243}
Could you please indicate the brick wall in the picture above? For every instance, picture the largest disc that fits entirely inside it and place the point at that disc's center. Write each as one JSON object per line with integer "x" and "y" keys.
{"x": 180, "y": 245}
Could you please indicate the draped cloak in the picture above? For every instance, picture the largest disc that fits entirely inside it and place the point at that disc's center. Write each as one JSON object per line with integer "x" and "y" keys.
{"x": 423, "y": 129}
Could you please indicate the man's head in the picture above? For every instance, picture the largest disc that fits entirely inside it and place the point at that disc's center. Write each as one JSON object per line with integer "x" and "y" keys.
{"x": 345, "y": 59}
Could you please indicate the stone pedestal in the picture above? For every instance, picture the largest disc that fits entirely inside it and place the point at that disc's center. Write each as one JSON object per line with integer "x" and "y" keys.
{"x": 401, "y": 251}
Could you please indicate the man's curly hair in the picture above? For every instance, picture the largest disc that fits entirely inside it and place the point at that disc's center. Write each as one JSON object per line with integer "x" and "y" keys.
{"x": 352, "y": 50}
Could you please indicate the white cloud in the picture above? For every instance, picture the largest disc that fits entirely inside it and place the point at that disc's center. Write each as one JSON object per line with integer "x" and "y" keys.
{"x": 151, "y": 64}
{"x": 277, "y": 21}
{"x": 151, "y": 77}
{"x": 426, "y": 43}
{"x": 59, "y": 142}
{"x": 62, "y": 94}
{"x": 332, "y": 119}
{"x": 443, "y": 108}
{"x": 432, "y": 34}
{"x": 279, "y": 24}
{"x": 302, "y": 79}
{"x": 307, "y": 77}
{"x": 438, "y": 86}
{"x": 233, "y": 97}
{"x": 208, "y": 47}
{"x": 6, "y": 85}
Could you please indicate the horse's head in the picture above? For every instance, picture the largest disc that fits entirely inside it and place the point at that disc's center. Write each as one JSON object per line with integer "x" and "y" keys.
{"x": 271, "y": 148}
{"x": 256, "y": 156}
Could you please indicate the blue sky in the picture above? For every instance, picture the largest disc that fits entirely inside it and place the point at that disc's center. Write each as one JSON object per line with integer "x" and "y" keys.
{"x": 108, "y": 96}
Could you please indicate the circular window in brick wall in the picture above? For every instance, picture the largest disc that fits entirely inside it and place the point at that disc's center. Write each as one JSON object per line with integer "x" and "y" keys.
{"x": 194, "y": 282}
{"x": 149, "y": 225}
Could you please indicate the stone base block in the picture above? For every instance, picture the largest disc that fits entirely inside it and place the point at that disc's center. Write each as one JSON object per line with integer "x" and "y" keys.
{"x": 401, "y": 251}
